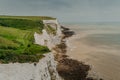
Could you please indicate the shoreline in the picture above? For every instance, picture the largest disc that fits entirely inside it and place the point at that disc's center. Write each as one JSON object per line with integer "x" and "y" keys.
{"x": 71, "y": 68}
{"x": 103, "y": 60}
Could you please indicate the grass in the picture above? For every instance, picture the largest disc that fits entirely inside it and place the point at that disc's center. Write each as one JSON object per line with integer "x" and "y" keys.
{"x": 17, "y": 40}
{"x": 50, "y": 30}
{"x": 22, "y": 24}
{"x": 34, "y": 18}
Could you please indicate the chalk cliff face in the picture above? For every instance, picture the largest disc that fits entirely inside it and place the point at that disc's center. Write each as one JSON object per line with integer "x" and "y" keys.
{"x": 49, "y": 40}
{"x": 45, "y": 69}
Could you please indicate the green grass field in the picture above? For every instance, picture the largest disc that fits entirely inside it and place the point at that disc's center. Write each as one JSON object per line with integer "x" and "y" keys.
{"x": 17, "y": 39}
{"x": 35, "y": 18}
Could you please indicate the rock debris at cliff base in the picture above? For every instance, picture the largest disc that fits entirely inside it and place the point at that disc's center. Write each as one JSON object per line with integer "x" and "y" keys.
{"x": 68, "y": 68}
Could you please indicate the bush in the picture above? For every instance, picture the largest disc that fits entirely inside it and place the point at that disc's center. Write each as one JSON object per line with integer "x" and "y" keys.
{"x": 50, "y": 30}
{"x": 35, "y": 49}
{"x": 10, "y": 56}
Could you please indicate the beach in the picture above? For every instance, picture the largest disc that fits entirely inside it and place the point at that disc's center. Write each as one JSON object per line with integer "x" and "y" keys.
{"x": 98, "y": 47}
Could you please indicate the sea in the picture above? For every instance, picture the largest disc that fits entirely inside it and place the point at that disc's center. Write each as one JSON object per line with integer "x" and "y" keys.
{"x": 108, "y": 33}
{"x": 104, "y": 40}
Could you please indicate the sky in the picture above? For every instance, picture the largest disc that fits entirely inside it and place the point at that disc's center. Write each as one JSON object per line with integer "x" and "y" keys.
{"x": 65, "y": 10}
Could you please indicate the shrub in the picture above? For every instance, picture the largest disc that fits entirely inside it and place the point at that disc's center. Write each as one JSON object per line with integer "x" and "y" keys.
{"x": 10, "y": 56}
{"x": 50, "y": 30}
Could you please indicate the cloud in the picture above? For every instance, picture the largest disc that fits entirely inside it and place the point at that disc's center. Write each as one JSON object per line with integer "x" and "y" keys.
{"x": 66, "y": 10}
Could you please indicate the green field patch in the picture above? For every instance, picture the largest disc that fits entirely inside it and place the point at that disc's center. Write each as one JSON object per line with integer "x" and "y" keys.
{"x": 34, "y": 18}
{"x": 17, "y": 40}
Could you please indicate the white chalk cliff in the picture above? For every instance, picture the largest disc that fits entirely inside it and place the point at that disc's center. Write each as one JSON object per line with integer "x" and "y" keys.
{"x": 45, "y": 69}
{"x": 46, "y": 39}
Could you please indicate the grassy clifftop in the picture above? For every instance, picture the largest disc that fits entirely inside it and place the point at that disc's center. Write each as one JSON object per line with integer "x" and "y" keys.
{"x": 17, "y": 40}
{"x": 33, "y": 18}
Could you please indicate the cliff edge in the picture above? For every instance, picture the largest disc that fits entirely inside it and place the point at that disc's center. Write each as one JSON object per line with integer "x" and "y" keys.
{"x": 56, "y": 65}
{"x": 45, "y": 69}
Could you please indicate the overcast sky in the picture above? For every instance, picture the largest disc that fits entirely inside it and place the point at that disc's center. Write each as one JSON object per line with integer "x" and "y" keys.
{"x": 65, "y": 10}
